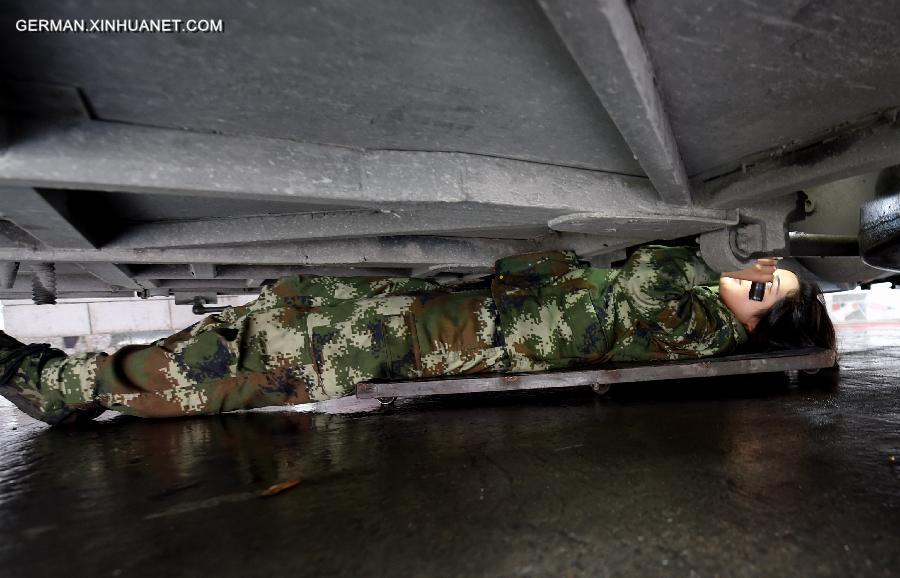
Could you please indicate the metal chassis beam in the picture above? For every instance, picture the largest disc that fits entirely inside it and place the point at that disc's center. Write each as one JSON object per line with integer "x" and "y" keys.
{"x": 65, "y": 284}
{"x": 807, "y": 359}
{"x": 261, "y": 272}
{"x": 460, "y": 194}
{"x": 603, "y": 39}
{"x": 111, "y": 274}
{"x": 106, "y": 156}
{"x": 392, "y": 251}
{"x": 50, "y": 225}
{"x": 35, "y": 215}
{"x": 462, "y": 219}
{"x": 326, "y": 225}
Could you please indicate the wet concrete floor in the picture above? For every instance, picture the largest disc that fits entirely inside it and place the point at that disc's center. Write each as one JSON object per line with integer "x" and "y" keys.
{"x": 759, "y": 477}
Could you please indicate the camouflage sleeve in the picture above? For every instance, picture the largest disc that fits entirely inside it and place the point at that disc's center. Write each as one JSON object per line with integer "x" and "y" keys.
{"x": 656, "y": 276}
{"x": 534, "y": 269}
{"x": 664, "y": 309}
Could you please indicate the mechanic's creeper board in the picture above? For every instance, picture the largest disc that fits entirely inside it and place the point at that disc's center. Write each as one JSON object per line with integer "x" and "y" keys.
{"x": 798, "y": 359}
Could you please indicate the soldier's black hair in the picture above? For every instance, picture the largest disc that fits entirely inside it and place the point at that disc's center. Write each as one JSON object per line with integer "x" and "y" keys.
{"x": 798, "y": 320}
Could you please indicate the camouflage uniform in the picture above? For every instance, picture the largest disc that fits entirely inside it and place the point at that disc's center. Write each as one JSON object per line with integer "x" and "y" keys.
{"x": 314, "y": 338}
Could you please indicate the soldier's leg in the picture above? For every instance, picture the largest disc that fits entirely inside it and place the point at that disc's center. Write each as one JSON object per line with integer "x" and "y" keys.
{"x": 243, "y": 358}
{"x": 304, "y": 339}
{"x": 21, "y": 366}
{"x": 249, "y": 356}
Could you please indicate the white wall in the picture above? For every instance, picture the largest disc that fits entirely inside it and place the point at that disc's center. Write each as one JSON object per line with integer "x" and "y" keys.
{"x": 71, "y": 317}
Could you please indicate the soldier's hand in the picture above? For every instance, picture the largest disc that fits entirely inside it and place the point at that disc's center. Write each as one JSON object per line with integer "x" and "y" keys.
{"x": 762, "y": 271}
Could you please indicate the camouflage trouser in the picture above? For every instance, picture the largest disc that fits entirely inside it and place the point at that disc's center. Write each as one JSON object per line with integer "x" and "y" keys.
{"x": 304, "y": 339}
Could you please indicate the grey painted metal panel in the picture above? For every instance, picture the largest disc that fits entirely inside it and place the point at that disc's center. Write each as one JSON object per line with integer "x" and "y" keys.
{"x": 743, "y": 77}
{"x": 480, "y": 76}
{"x": 115, "y": 275}
{"x": 711, "y": 367}
{"x": 484, "y": 77}
{"x": 603, "y": 39}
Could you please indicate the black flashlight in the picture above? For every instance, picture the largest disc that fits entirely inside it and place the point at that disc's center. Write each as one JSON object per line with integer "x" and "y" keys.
{"x": 757, "y": 291}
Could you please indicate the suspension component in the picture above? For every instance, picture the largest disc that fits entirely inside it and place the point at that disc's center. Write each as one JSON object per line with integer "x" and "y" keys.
{"x": 201, "y": 308}
{"x": 43, "y": 284}
{"x": 8, "y": 271}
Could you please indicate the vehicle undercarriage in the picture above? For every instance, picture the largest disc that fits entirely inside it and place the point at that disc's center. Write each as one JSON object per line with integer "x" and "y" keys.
{"x": 387, "y": 138}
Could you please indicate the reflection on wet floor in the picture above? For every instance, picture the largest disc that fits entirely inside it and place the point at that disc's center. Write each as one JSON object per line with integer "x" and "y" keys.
{"x": 763, "y": 475}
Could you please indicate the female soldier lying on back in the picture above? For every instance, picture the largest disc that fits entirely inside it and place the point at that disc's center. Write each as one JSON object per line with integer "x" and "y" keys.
{"x": 313, "y": 338}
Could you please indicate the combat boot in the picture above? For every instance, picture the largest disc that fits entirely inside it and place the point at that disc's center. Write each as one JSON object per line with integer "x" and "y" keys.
{"x": 20, "y": 383}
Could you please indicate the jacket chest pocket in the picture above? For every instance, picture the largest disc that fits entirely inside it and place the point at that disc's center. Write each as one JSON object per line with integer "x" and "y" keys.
{"x": 549, "y": 327}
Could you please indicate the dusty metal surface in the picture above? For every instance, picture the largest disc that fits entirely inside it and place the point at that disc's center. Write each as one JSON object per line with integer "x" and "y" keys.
{"x": 604, "y": 40}
{"x": 450, "y": 76}
{"x": 743, "y": 77}
{"x": 730, "y": 477}
{"x": 619, "y": 373}
{"x": 86, "y": 155}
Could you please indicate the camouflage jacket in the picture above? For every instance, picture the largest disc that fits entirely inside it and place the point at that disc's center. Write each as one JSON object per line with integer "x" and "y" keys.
{"x": 314, "y": 338}
{"x": 542, "y": 311}
{"x": 663, "y": 304}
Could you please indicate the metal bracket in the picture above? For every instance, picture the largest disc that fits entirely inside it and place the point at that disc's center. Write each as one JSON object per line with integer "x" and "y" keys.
{"x": 761, "y": 231}
{"x": 200, "y": 307}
